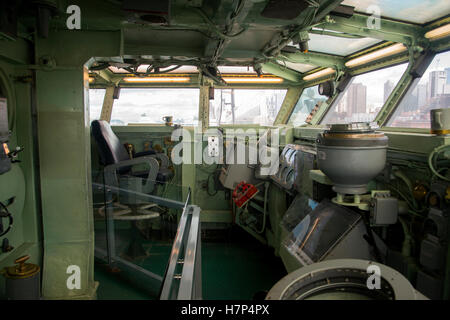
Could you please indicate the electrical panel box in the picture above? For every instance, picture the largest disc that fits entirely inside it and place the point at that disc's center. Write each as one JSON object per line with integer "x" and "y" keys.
{"x": 383, "y": 209}
{"x": 232, "y": 175}
{"x": 213, "y": 146}
{"x": 5, "y": 162}
{"x": 234, "y": 172}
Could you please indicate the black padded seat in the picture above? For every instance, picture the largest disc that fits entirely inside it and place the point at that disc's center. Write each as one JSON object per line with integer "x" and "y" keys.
{"x": 112, "y": 151}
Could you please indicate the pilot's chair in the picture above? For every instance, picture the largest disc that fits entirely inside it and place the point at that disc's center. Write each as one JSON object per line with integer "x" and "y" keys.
{"x": 119, "y": 173}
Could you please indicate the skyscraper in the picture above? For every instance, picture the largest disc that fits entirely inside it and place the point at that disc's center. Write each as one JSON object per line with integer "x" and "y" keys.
{"x": 388, "y": 87}
{"x": 436, "y": 83}
{"x": 356, "y": 99}
{"x": 447, "y": 73}
{"x": 421, "y": 95}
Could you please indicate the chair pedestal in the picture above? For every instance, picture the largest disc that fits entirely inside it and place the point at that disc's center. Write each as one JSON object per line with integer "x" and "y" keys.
{"x": 133, "y": 213}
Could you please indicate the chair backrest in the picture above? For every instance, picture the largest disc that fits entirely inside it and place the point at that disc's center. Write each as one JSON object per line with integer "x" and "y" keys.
{"x": 110, "y": 148}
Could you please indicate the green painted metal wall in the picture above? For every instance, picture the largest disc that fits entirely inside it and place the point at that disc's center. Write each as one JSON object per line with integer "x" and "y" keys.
{"x": 20, "y": 183}
{"x": 64, "y": 150}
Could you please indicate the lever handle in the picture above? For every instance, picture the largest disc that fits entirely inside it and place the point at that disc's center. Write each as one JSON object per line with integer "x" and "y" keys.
{"x": 22, "y": 260}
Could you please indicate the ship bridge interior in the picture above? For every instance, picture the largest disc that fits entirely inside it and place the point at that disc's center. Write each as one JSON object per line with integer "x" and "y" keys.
{"x": 224, "y": 149}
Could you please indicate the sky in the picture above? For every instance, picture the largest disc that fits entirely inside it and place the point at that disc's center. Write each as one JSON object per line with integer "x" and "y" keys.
{"x": 151, "y": 104}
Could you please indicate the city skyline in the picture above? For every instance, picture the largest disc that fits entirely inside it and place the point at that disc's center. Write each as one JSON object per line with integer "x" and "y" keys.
{"x": 367, "y": 96}
{"x": 432, "y": 91}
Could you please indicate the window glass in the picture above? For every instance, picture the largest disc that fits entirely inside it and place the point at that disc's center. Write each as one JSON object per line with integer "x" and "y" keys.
{"x": 95, "y": 103}
{"x": 150, "y": 105}
{"x": 245, "y": 106}
{"x": 301, "y": 67}
{"x": 417, "y": 11}
{"x": 338, "y": 45}
{"x": 307, "y": 101}
{"x": 364, "y": 96}
{"x": 431, "y": 91}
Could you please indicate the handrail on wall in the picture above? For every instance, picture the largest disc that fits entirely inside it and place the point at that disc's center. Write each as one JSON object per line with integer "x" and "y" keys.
{"x": 183, "y": 279}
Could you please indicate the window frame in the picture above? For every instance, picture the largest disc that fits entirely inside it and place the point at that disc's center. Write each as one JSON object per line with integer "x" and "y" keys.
{"x": 156, "y": 87}
{"x": 266, "y": 87}
{"x": 424, "y": 64}
{"x": 340, "y": 94}
{"x": 295, "y": 104}
{"x": 201, "y": 105}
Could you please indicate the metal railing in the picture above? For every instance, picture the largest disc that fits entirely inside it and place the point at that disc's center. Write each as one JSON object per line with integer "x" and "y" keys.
{"x": 183, "y": 278}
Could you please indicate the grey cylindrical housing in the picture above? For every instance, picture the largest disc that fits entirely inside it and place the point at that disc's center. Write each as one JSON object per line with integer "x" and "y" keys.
{"x": 23, "y": 289}
{"x": 351, "y": 159}
{"x": 440, "y": 121}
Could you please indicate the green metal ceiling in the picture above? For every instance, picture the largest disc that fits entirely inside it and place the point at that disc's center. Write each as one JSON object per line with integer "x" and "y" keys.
{"x": 231, "y": 32}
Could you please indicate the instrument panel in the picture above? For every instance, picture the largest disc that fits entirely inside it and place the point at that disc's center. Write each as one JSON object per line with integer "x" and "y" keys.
{"x": 287, "y": 174}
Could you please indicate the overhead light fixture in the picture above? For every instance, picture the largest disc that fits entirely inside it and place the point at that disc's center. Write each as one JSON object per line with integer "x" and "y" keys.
{"x": 91, "y": 79}
{"x": 156, "y": 79}
{"x": 319, "y": 74}
{"x": 438, "y": 33}
{"x": 252, "y": 80}
{"x": 385, "y": 52}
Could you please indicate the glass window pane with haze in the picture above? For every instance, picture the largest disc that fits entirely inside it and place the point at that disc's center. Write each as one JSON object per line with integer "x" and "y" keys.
{"x": 417, "y": 11}
{"x": 95, "y": 103}
{"x": 307, "y": 101}
{"x": 431, "y": 91}
{"x": 245, "y": 106}
{"x": 364, "y": 96}
{"x": 150, "y": 105}
{"x": 338, "y": 45}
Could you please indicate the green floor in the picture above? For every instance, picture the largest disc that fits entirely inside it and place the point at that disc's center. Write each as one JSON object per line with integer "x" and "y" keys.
{"x": 234, "y": 267}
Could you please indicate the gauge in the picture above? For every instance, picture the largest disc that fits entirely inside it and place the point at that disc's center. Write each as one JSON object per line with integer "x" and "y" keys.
{"x": 287, "y": 155}
{"x": 284, "y": 174}
{"x": 292, "y": 157}
{"x": 290, "y": 178}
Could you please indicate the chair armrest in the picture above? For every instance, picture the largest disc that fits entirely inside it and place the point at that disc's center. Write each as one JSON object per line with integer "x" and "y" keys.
{"x": 164, "y": 159}
{"x": 111, "y": 170}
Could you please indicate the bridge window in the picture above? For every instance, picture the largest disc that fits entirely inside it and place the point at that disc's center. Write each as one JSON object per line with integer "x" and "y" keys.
{"x": 338, "y": 45}
{"x": 416, "y": 11}
{"x": 95, "y": 103}
{"x": 245, "y": 106}
{"x": 364, "y": 96}
{"x": 308, "y": 99}
{"x": 150, "y": 105}
{"x": 431, "y": 91}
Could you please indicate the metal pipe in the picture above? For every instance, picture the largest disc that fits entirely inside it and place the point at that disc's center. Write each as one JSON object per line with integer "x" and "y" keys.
{"x": 335, "y": 34}
{"x": 143, "y": 196}
{"x": 430, "y": 161}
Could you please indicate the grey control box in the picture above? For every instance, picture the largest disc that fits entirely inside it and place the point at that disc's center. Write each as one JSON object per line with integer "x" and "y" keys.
{"x": 383, "y": 209}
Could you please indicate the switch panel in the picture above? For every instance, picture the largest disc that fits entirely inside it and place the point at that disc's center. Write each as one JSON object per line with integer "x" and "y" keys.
{"x": 213, "y": 146}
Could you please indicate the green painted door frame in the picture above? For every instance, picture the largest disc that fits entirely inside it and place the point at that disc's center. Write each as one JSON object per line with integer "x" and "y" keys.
{"x": 65, "y": 159}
